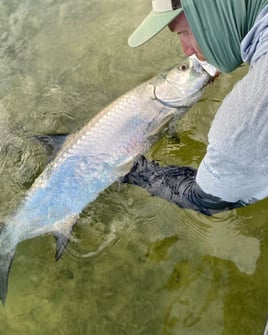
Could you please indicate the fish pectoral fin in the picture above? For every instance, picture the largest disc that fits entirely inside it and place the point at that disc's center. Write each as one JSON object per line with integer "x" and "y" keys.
{"x": 62, "y": 241}
{"x": 5, "y": 265}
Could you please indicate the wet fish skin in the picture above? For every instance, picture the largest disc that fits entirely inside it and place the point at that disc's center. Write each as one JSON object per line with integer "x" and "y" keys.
{"x": 95, "y": 157}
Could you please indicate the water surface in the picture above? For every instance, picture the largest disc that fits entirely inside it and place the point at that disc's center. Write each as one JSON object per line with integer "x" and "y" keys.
{"x": 136, "y": 264}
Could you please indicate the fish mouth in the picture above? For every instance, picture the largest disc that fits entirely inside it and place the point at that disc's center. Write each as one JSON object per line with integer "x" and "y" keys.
{"x": 209, "y": 68}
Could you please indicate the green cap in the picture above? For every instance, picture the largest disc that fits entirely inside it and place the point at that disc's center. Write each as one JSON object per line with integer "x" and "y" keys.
{"x": 164, "y": 11}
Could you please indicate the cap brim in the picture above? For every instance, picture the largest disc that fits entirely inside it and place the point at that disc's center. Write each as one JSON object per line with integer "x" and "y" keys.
{"x": 151, "y": 26}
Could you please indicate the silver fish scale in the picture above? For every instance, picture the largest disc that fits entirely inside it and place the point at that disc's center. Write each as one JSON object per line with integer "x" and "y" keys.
{"x": 117, "y": 131}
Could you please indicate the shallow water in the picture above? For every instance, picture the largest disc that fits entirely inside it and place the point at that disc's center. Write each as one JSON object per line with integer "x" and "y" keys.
{"x": 136, "y": 264}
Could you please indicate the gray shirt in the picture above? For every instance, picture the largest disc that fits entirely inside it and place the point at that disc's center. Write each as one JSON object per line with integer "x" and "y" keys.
{"x": 234, "y": 171}
{"x": 235, "y": 166}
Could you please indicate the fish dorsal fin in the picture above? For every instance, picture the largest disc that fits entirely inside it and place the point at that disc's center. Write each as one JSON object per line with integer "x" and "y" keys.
{"x": 52, "y": 143}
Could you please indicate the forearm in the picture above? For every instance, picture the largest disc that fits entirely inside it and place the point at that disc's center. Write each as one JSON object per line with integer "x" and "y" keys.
{"x": 178, "y": 185}
{"x": 190, "y": 195}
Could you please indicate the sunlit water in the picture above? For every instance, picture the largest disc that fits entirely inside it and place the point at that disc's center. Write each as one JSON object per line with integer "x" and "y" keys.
{"x": 136, "y": 264}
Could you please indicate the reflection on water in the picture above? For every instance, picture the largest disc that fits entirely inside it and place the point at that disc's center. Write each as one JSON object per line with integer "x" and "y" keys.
{"x": 136, "y": 264}
{"x": 224, "y": 240}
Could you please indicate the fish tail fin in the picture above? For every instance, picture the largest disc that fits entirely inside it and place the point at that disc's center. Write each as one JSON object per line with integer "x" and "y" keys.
{"x": 5, "y": 265}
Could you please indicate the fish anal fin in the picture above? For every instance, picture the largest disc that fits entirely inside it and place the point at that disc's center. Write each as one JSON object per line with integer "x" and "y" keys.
{"x": 62, "y": 241}
{"x": 63, "y": 234}
{"x": 5, "y": 265}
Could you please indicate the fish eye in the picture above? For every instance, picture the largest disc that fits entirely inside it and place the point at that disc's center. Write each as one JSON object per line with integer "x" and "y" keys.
{"x": 183, "y": 67}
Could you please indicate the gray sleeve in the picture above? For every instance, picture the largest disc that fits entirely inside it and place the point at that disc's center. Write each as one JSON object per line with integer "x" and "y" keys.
{"x": 235, "y": 167}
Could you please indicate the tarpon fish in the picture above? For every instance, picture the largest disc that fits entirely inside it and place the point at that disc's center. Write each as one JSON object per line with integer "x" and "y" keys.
{"x": 95, "y": 157}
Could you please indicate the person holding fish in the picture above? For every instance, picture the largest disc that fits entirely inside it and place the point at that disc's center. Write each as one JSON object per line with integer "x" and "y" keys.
{"x": 234, "y": 171}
